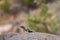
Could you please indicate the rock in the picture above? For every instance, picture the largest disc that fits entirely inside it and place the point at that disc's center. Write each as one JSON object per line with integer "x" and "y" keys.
{"x": 1, "y": 37}
{"x": 35, "y": 36}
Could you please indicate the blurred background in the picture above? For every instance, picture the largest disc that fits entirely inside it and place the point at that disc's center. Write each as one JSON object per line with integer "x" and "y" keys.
{"x": 36, "y": 15}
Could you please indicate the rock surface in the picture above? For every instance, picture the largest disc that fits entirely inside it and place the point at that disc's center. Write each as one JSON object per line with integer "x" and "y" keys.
{"x": 34, "y": 36}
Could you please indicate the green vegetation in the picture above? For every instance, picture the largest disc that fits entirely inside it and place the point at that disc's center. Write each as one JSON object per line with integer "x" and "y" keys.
{"x": 43, "y": 22}
{"x": 5, "y": 6}
{"x": 29, "y": 3}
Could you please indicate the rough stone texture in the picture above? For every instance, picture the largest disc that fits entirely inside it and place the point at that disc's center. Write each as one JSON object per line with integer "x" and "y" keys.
{"x": 1, "y": 37}
{"x": 34, "y": 36}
